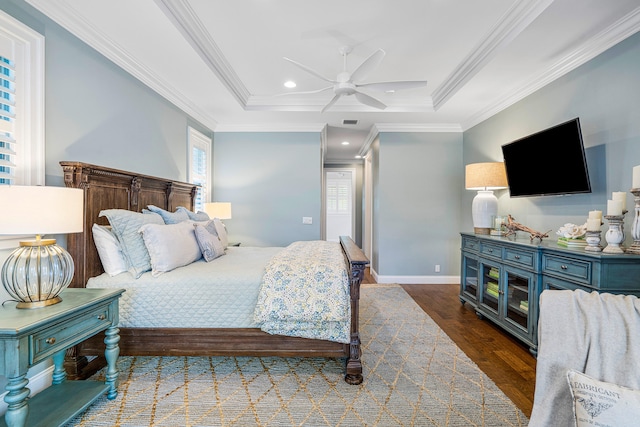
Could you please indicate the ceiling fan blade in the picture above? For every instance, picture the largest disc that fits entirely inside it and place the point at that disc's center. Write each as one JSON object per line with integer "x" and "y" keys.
{"x": 307, "y": 92}
{"x": 309, "y": 70}
{"x": 333, "y": 101}
{"x": 369, "y": 100}
{"x": 393, "y": 86}
{"x": 368, "y": 65}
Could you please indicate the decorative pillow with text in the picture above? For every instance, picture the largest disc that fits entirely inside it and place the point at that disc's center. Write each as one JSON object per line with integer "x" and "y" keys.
{"x": 598, "y": 403}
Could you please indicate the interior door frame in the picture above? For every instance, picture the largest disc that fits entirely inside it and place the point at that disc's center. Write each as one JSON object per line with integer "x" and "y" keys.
{"x": 353, "y": 172}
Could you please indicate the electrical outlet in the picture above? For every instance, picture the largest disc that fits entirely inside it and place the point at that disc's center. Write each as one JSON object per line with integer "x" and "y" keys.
{"x": 437, "y": 268}
{"x": 307, "y": 220}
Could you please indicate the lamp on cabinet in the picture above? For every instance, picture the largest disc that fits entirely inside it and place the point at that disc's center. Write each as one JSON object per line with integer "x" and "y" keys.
{"x": 485, "y": 177}
{"x": 38, "y": 270}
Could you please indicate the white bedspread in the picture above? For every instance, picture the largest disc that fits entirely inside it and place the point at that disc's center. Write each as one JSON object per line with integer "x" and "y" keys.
{"x": 218, "y": 294}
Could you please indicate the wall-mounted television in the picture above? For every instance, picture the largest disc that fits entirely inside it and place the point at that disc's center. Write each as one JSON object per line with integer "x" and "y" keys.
{"x": 549, "y": 162}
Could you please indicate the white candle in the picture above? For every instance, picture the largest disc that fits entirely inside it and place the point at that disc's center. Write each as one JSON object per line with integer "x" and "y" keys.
{"x": 622, "y": 197}
{"x": 593, "y": 224}
{"x": 636, "y": 177}
{"x": 614, "y": 207}
{"x": 595, "y": 215}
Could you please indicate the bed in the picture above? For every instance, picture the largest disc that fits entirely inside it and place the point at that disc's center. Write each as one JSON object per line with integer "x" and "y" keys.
{"x": 107, "y": 188}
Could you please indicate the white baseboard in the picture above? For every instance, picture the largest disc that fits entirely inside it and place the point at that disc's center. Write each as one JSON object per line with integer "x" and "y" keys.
{"x": 37, "y": 383}
{"x": 416, "y": 280}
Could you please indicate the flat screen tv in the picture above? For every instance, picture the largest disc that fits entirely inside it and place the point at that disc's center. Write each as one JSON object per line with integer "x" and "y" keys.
{"x": 549, "y": 162}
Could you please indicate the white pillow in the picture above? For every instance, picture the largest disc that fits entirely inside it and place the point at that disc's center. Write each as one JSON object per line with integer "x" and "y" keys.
{"x": 170, "y": 246}
{"x": 210, "y": 245}
{"x": 602, "y": 404}
{"x": 109, "y": 250}
{"x": 221, "y": 230}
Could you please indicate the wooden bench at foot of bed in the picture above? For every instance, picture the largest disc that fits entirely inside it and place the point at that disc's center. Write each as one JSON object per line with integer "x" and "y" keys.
{"x": 106, "y": 188}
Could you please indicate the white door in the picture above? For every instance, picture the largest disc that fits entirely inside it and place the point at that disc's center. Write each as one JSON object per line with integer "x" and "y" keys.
{"x": 339, "y": 193}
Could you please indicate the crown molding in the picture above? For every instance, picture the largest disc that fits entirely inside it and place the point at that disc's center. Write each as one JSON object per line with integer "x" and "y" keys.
{"x": 604, "y": 40}
{"x": 405, "y": 127}
{"x": 313, "y": 104}
{"x": 190, "y": 26}
{"x": 67, "y": 17}
{"x": 510, "y": 25}
{"x": 273, "y": 127}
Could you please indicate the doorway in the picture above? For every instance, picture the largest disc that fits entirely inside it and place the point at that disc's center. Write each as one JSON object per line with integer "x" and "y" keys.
{"x": 340, "y": 190}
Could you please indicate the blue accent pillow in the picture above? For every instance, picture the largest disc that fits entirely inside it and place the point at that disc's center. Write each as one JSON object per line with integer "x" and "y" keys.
{"x": 126, "y": 225}
{"x": 169, "y": 217}
{"x": 199, "y": 216}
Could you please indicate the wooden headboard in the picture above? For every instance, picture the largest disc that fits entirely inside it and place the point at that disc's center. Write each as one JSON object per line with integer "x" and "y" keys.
{"x": 106, "y": 188}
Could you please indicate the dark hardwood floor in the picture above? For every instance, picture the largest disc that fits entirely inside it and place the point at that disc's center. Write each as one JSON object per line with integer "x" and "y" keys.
{"x": 504, "y": 359}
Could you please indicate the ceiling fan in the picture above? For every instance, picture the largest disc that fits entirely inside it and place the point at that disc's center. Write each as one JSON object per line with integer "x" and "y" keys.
{"x": 346, "y": 83}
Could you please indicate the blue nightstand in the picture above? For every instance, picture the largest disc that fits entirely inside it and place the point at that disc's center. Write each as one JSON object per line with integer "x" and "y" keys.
{"x": 27, "y": 337}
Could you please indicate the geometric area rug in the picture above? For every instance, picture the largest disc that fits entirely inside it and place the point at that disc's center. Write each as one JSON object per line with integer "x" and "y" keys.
{"x": 414, "y": 375}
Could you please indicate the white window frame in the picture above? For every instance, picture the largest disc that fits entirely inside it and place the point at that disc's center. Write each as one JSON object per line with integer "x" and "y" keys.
{"x": 29, "y": 126}
{"x": 196, "y": 139}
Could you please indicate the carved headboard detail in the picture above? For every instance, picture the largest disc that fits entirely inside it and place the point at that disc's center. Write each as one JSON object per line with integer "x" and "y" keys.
{"x": 106, "y": 188}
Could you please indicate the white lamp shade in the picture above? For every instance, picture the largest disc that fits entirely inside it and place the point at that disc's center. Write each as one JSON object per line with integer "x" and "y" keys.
{"x": 40, "y": 210}
{"x": 221, "y": 210}
{"x": 483, "y": 209}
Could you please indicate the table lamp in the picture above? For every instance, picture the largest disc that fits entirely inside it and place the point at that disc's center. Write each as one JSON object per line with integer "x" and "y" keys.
{"x": 485, "y": 177}
{"x": 38, "y": 270}
{"x": 221, "y": 210}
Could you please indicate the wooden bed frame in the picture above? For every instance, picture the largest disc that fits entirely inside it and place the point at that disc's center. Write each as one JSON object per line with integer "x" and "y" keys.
{"x": 106, "y": 188}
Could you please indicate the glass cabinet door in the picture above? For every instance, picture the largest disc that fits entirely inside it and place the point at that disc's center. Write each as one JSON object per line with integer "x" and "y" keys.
{"x": 491, "y": 293}
{"x": 470, "y": 278}
{"x": 518, "y": 297}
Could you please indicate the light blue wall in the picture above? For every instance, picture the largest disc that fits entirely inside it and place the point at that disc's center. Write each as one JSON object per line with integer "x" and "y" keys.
{"x": 604, "y": 93}
{"x": 272, "y": 180}
{"x": 417, "y": 206}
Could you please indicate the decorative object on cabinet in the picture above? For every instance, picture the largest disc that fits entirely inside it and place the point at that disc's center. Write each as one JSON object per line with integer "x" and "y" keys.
{"x": 221, "y": 210}
{"x": 498, "y": 225}
{"x": 513, "y": 226}
{"x": 38, "y": 270}
{"x": 30, "y": 338}
{"x": 635, "y": 232}
{"x": 485, "y": 177}
{"x": 524, "y": 267}
{"x": 614, "y": 235}
{"x": 593, "y": 241}
{"x": 572, "y": 235}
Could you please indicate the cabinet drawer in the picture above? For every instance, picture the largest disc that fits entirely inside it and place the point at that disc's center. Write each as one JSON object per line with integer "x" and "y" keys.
{"x": 490, "y": 250}
{"x": 49, "y": 341}
{"x": 567, "y": 268}
{"x": 521, "y": 258}
{"x": 470, "y": 244}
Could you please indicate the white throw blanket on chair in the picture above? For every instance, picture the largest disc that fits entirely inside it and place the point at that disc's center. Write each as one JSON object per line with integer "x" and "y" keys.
{"x": 596, "y": 334}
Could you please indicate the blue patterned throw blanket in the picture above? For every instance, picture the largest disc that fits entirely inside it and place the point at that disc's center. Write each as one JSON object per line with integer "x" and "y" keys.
{"x": 305, "y": 293}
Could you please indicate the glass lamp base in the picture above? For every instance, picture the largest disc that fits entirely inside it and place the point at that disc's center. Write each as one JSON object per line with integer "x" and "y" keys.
{"x": 38, "y": 304}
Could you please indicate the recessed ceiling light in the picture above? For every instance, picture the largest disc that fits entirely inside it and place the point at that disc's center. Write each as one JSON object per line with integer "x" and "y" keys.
{"x": 345, "y": 142}
{"x": 290, "y": 84}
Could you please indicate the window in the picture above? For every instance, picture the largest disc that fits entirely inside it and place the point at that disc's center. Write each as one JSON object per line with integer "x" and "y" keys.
{"x": 21, "y": 108}
{"x": 338, "y": 200}
{"x": 200, "y": 165}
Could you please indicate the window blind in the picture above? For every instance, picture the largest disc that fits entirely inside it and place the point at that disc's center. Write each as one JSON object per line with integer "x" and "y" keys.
{"x": 200, "y": 166}
{"x": 8, "y": 144}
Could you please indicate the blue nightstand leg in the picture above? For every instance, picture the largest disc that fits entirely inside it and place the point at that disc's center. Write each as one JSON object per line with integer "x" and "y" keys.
{"x": 111, "y": 353}
{"x": 59, "y": 373}
{"x": 16, "y": 399}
